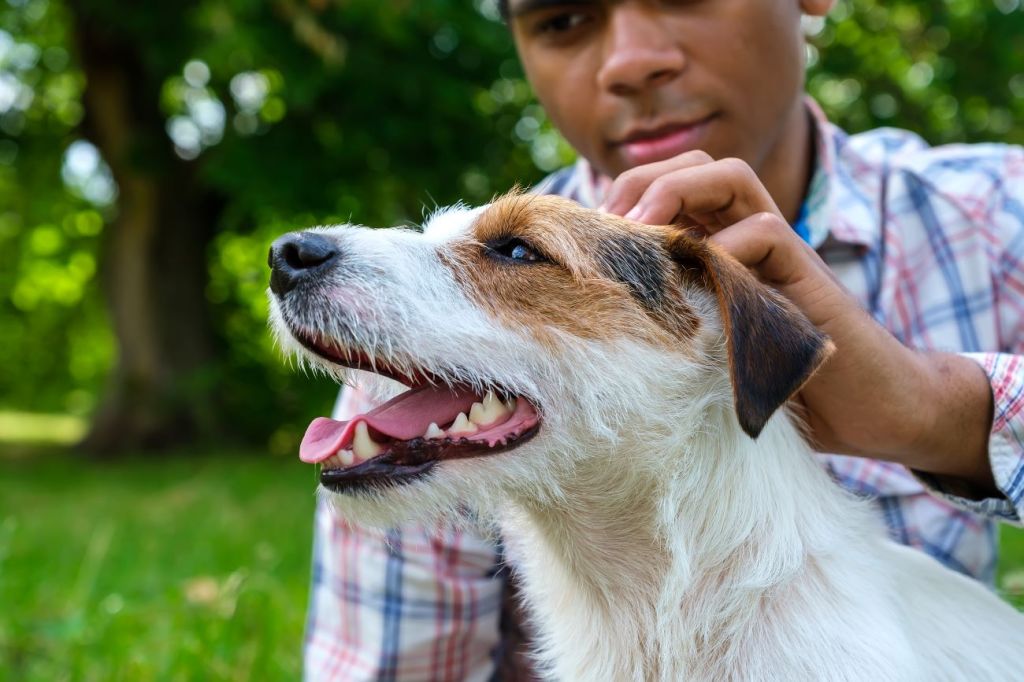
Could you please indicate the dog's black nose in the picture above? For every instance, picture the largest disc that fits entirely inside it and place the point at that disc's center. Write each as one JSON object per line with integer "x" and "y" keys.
{"x": 299, "y": 255}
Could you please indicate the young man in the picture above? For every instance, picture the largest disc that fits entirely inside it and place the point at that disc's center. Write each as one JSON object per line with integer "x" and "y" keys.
{"x": 695, "y": 110}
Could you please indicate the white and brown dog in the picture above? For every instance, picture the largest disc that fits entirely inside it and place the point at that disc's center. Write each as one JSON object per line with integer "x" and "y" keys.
{"x": 608, "y": 394}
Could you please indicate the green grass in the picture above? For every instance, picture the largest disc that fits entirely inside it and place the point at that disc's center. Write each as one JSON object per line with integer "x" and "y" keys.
{"x": 171, "y": 568}
{"x": 1010, "y": 577}
{"x": 167, "y": 568}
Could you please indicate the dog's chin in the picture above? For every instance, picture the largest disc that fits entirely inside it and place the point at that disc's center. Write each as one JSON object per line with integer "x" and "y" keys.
{"x": 422, "y": 503}
{"x": 452, "y": 493}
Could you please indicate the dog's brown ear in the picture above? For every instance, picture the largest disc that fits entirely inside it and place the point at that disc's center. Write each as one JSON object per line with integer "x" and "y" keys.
{"x": 773, "y": 348}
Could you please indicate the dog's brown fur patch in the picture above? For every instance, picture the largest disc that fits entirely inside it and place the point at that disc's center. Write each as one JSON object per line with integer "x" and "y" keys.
{"x": 605, "y": 277}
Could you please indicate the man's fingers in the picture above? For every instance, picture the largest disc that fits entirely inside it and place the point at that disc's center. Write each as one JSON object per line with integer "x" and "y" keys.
{"x": 630, "y": 186}
{"x": 728, "y": 190}
{"x": 765, "y": 243}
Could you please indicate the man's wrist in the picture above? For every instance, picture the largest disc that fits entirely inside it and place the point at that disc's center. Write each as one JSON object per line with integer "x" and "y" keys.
{"x": 956, "y": 422}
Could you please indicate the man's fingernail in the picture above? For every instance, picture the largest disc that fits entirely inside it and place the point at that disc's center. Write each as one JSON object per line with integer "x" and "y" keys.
{"x": 634, "y": 213}
{"x": 602, "y": 208}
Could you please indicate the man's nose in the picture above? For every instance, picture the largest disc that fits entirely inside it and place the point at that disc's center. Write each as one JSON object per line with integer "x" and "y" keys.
{"x": 298, "y": 256}
{"x": 640, "y": 51}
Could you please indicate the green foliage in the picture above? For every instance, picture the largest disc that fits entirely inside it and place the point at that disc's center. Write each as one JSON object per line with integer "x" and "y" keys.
{"x": 950, "y": 70}
{"x": 300, "y": 112}
{"x": 53, "y": 330}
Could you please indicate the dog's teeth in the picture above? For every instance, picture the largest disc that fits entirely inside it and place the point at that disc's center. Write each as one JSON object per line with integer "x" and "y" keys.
{"x": 489, "y": 412}
{"x": 363, "y": 446}
{"x": 433, "y": 432}
{"x": 476, "y": 414}
{"x": 344, "y": 458}
{"x": 495, "y": 406}
{"x": 462, "y": 426}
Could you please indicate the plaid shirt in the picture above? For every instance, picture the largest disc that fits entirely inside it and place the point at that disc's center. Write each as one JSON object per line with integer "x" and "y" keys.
{"x": 930, "y": 240}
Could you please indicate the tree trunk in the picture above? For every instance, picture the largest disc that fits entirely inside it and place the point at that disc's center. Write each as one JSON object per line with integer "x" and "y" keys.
{"x": 153, "y": 263}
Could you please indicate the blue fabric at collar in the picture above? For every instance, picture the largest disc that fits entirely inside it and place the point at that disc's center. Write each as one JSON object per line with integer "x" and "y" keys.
{"x": 800, "y": 226}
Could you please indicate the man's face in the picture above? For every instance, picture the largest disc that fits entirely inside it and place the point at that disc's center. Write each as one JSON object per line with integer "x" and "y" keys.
{"x": 630, "y": 82}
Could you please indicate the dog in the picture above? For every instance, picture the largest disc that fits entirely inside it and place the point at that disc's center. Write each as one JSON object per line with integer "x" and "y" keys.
{"x": 613, "y": 398}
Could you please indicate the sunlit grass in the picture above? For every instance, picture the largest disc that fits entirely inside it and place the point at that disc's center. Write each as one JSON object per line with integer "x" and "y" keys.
{"x": 162, "y": 568}
{"x": 1011, "y": 565}
{"x": 172, "y": 567}
{"x": 30, "y": 427}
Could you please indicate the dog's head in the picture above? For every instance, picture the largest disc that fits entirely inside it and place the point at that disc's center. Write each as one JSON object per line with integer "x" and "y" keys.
{"x": 532, "y": 335}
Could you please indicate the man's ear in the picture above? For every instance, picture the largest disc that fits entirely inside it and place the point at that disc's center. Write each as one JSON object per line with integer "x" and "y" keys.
{"x": 773, "y": 348}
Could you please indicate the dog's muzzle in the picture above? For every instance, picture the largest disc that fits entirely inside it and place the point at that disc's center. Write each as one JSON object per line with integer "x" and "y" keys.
{"x": 298, "y": 257}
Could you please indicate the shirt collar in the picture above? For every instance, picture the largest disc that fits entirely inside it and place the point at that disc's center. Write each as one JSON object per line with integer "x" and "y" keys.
{"x": 831, "y": 187}
{"x": 825, "y": 191}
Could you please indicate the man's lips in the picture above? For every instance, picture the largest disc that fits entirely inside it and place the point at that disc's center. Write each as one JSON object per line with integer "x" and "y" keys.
{"x": 657, "y": 144}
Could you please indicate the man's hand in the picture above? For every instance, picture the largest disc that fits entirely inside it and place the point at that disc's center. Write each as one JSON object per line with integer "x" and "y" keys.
{"x": 874, "y": 397}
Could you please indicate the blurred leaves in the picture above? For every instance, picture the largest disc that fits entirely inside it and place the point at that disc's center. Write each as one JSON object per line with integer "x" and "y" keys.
{"x": 951, "y": 70}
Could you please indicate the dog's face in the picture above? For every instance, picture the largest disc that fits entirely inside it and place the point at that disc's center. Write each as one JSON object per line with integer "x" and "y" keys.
{"x": 533, "y": 335}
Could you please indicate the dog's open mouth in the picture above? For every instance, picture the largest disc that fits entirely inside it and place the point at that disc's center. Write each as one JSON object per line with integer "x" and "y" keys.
{"x": 407, "y": 436}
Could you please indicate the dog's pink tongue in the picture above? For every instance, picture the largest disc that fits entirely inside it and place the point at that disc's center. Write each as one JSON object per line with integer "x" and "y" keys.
{"x": 323, "y": 438}
{"x": 404, "y": 417}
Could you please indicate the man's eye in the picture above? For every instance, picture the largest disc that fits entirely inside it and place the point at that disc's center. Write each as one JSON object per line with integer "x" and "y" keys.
{"x": 561, "y": 23}
{"x": 518, "y": 250}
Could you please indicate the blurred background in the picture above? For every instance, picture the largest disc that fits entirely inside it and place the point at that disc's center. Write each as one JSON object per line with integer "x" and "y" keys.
{"x": 154, "y": 519}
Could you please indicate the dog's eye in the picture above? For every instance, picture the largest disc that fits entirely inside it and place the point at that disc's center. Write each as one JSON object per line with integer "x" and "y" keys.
{"x": 518, "y": 250}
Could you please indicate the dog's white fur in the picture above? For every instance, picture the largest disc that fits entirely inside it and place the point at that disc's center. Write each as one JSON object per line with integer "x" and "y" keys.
{"x": 654, "y": 539}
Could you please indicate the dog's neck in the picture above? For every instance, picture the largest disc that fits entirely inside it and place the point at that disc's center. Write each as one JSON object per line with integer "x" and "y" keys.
{"x": 580, "y": 563}
{"x": 605, "y": 534}
{"x": 651, "y": 552}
